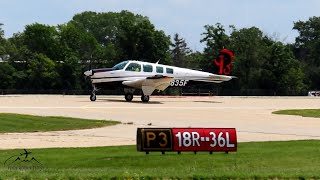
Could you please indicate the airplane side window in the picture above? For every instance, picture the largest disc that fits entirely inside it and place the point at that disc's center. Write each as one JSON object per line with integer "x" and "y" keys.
{"x": 147, "y": 68}
{"x": 159, "y": 69}
{"x": 134, "y": 67}
{"x": 169, "y": 70}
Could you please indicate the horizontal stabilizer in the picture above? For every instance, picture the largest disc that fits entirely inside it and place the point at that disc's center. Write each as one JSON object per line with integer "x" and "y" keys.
{"x": 220, "y": 77}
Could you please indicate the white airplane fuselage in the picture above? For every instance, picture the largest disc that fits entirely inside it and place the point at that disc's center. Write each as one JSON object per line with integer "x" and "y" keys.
{"x": 149, "y": 76}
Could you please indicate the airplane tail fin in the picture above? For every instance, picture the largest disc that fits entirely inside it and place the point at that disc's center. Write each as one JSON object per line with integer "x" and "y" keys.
{"x": 223, "y": 62}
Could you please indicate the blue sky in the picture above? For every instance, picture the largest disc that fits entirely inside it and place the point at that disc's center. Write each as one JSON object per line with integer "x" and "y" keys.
{"x": 187, "y": 17}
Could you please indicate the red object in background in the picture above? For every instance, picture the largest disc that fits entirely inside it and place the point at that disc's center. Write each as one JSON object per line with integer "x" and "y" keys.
{"x": 224, "y": 61}
{"x": 204, "y": 139}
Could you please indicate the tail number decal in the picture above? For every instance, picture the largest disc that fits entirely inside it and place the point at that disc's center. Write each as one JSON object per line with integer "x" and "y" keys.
{"x": 179, "y": 82}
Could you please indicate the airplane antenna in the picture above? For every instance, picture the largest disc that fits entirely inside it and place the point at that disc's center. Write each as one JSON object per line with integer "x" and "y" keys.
{"x": 158, "y": 61}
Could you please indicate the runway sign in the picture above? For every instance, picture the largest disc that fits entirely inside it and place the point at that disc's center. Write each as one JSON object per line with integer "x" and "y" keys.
{"x": 187, "y": 139}
{"x": 154, "y": 139}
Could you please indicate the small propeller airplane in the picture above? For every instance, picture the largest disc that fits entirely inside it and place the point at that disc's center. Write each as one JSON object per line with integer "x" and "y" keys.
{"x": 132, "y": 74}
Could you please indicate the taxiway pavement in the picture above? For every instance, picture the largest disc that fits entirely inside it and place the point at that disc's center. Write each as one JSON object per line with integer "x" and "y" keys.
{"x": 251, "y": 116}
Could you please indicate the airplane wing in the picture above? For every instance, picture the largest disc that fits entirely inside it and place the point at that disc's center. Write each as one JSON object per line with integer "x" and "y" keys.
{"x": 149, "y": 84}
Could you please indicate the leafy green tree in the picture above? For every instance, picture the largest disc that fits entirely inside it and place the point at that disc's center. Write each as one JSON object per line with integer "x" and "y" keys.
{"x": 1, "y": 31}
{"x": 48, "y": 57}
{"x": 179, "y": 51}
{"x": 138, "y": 39}
{"x": 292, "y": 80}
{"x": 20, "y": 56}
{"x": 7, "y": 79}
{"x": 307, "y": 49}
{"x": 3, "y": 44}
{"x": 103, "y": 26}
{"x": 193, "y": 60}
{"x": 77, "y": 41}
{"x": 2, "y": 39}
{"x": 42, "y": 73}
{"x": 126, "y": 36}
{"x": 79, "y": 46}
{"x": 215, "y": 39}
{"x": 42, "y": 39}
{"x": 281, "y": 72}
{"x": 160, "y": 48}
{"x": 250, "y": 47}
{"x": 70, "y": 73}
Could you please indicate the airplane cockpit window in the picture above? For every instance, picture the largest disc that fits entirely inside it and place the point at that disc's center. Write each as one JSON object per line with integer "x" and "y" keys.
{"x": 147, "y": 68}
{"x": 121, "y": 65}
{"x": 159, "y": 69}
{"x": 169, "y": 70}
{"x": 134, "y": 67}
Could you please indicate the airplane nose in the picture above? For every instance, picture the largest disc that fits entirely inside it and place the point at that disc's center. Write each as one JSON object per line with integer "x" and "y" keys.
{"x": 88, "y": 73}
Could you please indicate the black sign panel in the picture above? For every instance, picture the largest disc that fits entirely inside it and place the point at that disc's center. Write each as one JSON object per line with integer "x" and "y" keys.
{"x": 154, "y": 139}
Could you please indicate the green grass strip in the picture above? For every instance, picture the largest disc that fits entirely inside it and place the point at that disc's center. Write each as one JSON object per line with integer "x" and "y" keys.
{"x": 301, "y": 112}
{"x": 10, "y": 123}
{"x": 254, "y": 160}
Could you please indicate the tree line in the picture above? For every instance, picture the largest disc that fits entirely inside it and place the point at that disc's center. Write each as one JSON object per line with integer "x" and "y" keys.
{"x": 44, "y": 57}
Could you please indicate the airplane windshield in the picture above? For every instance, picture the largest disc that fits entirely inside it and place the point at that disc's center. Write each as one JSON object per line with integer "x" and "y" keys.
{"x": 120, "y": 65}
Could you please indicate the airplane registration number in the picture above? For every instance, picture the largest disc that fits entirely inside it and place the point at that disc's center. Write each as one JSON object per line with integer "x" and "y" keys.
{"x": 179, "y": 82}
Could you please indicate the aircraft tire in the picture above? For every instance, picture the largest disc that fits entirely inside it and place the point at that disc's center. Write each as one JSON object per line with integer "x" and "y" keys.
{"x": 93, "y": 97}
{"x": 128, "y": 97}
{"x": 145, "y": 98}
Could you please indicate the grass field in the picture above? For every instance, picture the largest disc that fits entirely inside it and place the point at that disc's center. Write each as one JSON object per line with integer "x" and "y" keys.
{"x": 255, "y": 160}
{"x": 27, "y": 123}
{"x": 301, "y": 112}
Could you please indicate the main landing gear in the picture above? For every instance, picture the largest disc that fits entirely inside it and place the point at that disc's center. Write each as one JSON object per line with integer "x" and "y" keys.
{"x": 145, "y": 98}
{"x": 129, "y": 95}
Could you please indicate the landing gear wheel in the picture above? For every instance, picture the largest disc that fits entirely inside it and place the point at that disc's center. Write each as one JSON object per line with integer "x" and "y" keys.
{"x": 128, "y": 96}
{"x": 93, "y": 97}
{"x": 145, "y": 98}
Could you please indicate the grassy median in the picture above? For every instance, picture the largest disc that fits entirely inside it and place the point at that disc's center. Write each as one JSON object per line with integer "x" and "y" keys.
{"x": 300, "y": 112}
{"x": 14, "y": 123}
{"x": 254, "y": 160}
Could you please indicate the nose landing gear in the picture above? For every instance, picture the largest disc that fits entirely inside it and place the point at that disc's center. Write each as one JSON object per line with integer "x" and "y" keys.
{"x": 93, "y": 96}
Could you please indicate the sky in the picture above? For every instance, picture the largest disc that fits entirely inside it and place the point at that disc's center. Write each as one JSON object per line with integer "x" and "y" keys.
{"x": 186, "y": 17}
